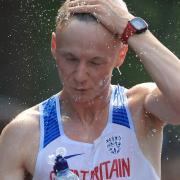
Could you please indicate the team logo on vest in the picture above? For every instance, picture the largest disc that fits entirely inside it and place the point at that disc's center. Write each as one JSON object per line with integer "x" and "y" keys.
{"x": 113, "y": 144}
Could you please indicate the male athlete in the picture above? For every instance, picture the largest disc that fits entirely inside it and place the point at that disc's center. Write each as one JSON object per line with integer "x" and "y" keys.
{"x": 105, "y": 131}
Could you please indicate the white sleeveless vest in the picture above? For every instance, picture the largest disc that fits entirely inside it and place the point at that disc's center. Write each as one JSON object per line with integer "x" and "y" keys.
{"x": 115, "y": 154}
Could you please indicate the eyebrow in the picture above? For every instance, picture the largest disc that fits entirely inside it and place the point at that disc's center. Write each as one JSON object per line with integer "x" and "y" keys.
{"x": 64, "y": 53}
{"x": 96, "y": 58}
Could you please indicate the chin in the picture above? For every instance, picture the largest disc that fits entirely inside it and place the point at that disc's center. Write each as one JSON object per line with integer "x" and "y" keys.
{"x": 84, "y": 96}
{"x": 81, "y": 99}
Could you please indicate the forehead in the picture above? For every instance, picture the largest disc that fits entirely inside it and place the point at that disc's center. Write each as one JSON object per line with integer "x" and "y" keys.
{"x": 85, "y": 34}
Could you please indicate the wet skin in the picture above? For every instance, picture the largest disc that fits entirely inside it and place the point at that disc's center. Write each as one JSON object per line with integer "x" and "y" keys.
{"x": 86, "y": 54}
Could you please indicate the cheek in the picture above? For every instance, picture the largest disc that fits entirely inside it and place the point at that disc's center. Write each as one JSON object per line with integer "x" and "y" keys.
{"x": 102, "y": 80}
{"x": 62, "y": 71}
{"x": 62, "y": 67}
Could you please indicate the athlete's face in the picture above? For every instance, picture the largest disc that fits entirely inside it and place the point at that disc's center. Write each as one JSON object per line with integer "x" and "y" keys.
{"x": 85, "y": 54}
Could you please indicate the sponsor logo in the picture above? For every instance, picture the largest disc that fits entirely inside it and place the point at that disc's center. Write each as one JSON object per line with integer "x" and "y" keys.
{"x": 73, "y": 155}
{"x": 116, "y": 168}
{"x": 52, "y": 173}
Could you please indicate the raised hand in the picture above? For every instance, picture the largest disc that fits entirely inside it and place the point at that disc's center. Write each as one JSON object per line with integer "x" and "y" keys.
{"x": 113, "y": 14}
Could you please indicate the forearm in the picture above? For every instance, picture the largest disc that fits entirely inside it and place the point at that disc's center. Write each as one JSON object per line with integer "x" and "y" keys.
{"x": 161, "y": 64}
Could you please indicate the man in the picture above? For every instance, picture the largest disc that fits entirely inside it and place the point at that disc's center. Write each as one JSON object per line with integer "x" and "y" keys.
{"x": 104, "y": 131}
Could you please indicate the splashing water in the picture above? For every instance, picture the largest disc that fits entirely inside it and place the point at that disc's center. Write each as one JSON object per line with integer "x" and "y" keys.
{"x": 59, "y": 151}
{"x": 51, "y": 159}
{"x": 154, "y": 130}
{"x": 119, "y": 71}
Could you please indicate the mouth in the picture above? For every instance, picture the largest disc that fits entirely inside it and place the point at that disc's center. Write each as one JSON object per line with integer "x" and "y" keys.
{"x": 80, "y": 89}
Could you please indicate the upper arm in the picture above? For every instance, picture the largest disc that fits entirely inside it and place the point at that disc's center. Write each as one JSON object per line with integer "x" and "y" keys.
{"x": 158, "y": 105}
{"x": 19, "y": 145}
{"x": 11, "y": 152}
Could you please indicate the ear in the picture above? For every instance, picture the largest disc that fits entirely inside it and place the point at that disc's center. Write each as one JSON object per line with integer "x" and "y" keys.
{"x": 122, "y": 55}
{"x": 53, "y": 45}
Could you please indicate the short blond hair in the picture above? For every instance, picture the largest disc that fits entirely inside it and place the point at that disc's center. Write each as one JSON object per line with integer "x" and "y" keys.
{"x": 63, "y": 15}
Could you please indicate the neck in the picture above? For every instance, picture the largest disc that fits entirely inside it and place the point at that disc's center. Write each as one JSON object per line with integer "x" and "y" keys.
{"x": 89, "y": 111}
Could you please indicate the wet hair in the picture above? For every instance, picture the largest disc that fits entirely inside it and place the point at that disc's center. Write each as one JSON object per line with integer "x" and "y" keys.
{"x": 63, "y": 16}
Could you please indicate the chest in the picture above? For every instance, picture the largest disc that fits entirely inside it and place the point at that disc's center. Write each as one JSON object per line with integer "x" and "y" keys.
{"x": 107, "y": 157}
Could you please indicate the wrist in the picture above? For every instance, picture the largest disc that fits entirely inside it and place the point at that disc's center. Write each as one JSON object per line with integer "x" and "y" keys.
{"x": 135, "y": 25}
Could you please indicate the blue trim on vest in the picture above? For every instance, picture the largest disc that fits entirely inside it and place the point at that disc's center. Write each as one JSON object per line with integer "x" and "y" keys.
{"x": 119, "y": 113}
{"x": 119, "y": 116}
{"x": 51, "y": 126}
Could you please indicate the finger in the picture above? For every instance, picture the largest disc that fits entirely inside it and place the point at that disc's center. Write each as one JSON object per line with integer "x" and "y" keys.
{"x": 93, "y": 9}
{"x": 82, "y": 2}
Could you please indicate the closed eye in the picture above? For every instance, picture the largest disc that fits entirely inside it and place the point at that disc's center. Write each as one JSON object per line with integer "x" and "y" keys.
{"x": 71, "y": 59}
{"x": 97, "y": 61}
{"x": 67, "y": 55}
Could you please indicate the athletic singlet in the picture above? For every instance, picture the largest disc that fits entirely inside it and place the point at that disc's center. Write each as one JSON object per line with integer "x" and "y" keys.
{"x": 115, "y": 154}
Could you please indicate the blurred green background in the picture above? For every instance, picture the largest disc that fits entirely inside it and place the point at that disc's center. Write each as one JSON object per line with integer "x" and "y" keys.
{"x": 27, "y": 69}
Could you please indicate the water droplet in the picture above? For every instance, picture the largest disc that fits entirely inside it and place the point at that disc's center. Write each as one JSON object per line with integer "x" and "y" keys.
{"x": 51, "y": 159}
{"x": 61, "y": 151}
{"x": 119, "y": 71}
{"x": 169, "y": 131}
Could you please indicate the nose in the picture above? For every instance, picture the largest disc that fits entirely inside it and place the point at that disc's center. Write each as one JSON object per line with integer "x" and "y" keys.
{"x": 81, "y": 73}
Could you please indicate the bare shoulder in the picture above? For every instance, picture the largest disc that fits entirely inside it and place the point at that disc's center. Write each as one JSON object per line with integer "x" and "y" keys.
{"x": 22, "y": 124}
{"x": 137, "y": 96}
{"x": 148, "y": 127}
{"x": 139, "y": 93}
{"x": 154, "y": 102}
{"x": 142, "y": 89}
{"x": 16, "y": 140}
